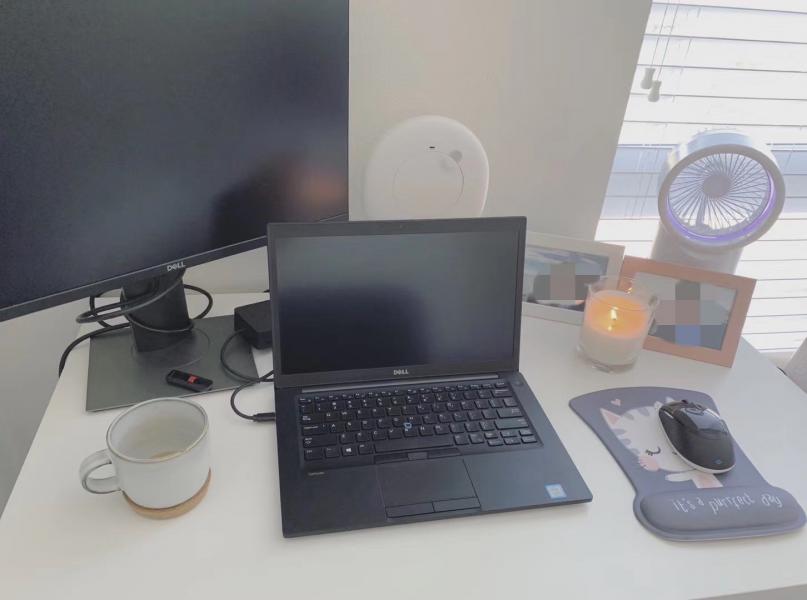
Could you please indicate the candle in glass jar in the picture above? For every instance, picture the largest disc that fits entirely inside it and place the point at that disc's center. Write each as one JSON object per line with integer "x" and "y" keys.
{"x": 614, "y": 327}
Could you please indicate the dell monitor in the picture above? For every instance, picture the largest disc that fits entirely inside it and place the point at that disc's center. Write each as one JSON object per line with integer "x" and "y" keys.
{"x": 138, "y": 139}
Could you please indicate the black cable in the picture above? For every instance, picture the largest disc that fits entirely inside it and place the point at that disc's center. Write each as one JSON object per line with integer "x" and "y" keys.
{"x": 248, "y": 380}
{"x": 87, "y": 336}
{"x": 232, "y": 370}
{"x": 262, "y": 417}
{"x": 94, "y": 311}
{"x": 108, "y": 328}
{"x": 126, "y": 306}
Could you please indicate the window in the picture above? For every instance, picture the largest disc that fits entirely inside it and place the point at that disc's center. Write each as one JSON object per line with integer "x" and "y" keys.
{"x": 723, "y": 63}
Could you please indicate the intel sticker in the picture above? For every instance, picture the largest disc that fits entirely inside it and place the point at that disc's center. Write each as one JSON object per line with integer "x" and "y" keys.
{"x": 555, "y": 491}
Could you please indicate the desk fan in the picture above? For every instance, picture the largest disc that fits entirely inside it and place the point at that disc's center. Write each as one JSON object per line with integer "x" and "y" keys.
{"x": 719, "y": 192}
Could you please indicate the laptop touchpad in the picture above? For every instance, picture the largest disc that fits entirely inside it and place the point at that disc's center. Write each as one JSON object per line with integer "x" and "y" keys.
{"x": 425, "y": 486}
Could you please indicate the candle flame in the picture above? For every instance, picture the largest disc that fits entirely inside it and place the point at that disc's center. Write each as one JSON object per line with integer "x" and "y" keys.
{"x": 613, "y": 318}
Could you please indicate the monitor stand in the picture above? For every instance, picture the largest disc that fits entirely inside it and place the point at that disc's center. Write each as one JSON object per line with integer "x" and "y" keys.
{"x": 130, "y": 365}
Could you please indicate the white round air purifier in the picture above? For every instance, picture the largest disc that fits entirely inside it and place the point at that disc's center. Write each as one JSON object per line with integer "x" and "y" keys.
{"x": 426, "y": 167}
{"x": 718, "y": 192}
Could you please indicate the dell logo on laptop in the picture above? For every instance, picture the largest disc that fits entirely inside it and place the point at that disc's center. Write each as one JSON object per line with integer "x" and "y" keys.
{"x": 400, "y": 371}
{"x": 175, "y": 266}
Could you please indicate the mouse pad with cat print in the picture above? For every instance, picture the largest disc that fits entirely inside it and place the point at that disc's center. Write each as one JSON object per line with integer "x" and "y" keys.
{"x": 673, "y": 500}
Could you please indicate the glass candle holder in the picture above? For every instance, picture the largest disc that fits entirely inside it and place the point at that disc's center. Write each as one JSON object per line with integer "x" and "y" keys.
{"x": 616, "y": 320}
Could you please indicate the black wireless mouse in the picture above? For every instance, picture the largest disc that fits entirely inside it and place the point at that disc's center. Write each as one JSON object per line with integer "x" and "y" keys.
{"x": 698, "y": 435}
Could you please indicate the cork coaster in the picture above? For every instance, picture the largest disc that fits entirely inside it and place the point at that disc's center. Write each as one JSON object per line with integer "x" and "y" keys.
{"x": 171, "y": 511}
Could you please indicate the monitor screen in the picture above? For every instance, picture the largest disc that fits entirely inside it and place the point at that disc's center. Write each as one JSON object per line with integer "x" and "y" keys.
{"x": 137, "y": 134}
{"x": 351, "y": 302}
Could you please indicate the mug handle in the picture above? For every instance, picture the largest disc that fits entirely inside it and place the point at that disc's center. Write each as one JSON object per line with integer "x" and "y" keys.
{"x": 97, "y": 485}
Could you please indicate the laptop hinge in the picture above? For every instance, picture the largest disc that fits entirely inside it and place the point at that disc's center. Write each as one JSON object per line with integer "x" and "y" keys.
{"x": 396, "y": 382}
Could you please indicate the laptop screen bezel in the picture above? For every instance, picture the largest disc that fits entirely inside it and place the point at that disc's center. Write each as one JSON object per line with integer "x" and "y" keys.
{"x": 275, "y": 231}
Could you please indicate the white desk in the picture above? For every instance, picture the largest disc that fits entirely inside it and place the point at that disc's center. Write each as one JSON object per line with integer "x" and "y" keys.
{"x": 57, "y": 541}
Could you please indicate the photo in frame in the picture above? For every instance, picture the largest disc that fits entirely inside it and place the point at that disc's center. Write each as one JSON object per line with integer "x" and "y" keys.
{"x": 557, "y": 271}
{"x": 700, "y": 314}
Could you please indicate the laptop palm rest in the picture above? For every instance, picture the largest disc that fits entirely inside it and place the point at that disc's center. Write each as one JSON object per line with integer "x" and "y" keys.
{"x": 426, "y": 486}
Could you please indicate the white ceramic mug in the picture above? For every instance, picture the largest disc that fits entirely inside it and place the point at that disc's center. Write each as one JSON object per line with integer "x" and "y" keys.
{"x": 159, "y": 450}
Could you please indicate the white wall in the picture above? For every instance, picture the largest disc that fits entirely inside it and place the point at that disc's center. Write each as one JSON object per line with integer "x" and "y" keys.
{"x": 543, "y": 83}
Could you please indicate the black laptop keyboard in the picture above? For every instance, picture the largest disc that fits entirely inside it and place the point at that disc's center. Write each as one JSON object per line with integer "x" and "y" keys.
{"x": 402, "y": 423}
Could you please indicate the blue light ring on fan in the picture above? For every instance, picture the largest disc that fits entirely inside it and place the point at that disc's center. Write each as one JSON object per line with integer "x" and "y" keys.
{"x": 690, "y": 153}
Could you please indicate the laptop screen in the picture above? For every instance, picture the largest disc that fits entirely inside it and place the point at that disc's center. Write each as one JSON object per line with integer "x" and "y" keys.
{"x": 397, "y": 301}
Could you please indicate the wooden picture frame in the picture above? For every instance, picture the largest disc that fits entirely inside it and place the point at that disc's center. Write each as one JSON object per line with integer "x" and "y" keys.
{"x": 702, "y": 318}
{"x": 556, "y": 271}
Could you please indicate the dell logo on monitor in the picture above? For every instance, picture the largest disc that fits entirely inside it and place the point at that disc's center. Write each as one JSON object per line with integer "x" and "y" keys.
{"x": 175, "y": 266}
{"x": 400, "y": 371}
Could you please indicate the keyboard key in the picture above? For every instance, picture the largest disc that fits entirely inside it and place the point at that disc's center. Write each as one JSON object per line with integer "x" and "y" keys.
{"x": 484, "y": 394}
{"x": 411, "y": 432}
{"x": 457, "y": 428}
{"x": 363, "y": 436}
{"x": 491, "y": 435}
{"x": 512, "y": 441}
{"x": 316, "y": 441}
{"x": 474, "y": 415}
{"x": 304, "y": 400}
{"x": 487, "y": 386}
{"x": 349, "y": 451}
{"x": 496, "y": 442}
{"x": 368, "y": 424}
{"x": 486, "y": 426}
{"x": 467, "y": 405}
{"x": 314, "y": 429}
{"x": 496, "y": 403}
{"x": 313, "y": 453}
{"x": 440, "y": 430}
{"x": 430, "y": 419}
{"x": 426, "y": 430}
{"x": 311, "y": 419}
{"x": 461, "y": 439}
{"x": 417, "y": 443}
{"x": 365, "y": 448}
{"x": 336, "y": 427}
{"x": 502, "y": 393}
{"x": 347, "y": 438}
{"x": 525, "y": 431}
{"x": 306, "y": 409}
{"x": 444, "y": 417}
{"x": 460, "y": 416}
{"x": 510, "y": 402}
{"x": 331, "y": 452}
{"x": 471, "y": 426}
{"x": 476, "y": 438}
{"x": 509, "y": 433}
{"x": 331, "y": 416}
{"x": 489, "y": 413}
{"x": 424, "y": 409}
{"x": 480, "y": 404}
{"x": 379, "y": 434}
{"x": 475, "y": 386}
{"x": 506, "y": 413}
{"x": 378, "y": 412}
{"x": 517, "y": 423}
{"x": 394, "y": 411}
{"x": 394, "y": 433}
{"x": 470, "y": 395}
{"x": 500, "y": 384}
{"x": 353, "y": 426}
{"x": 529, "y": 439}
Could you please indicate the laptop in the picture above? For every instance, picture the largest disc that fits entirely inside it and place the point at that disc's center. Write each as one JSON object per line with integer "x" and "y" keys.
{"x": 397, "y": 389}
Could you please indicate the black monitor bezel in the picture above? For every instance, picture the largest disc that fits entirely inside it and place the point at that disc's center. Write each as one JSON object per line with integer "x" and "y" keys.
{"x": 517, "y": 225}
{"x": 62, "y": 297}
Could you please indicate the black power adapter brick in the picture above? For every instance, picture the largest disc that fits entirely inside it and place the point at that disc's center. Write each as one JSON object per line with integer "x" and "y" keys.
{"x": 255, "y": 323}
